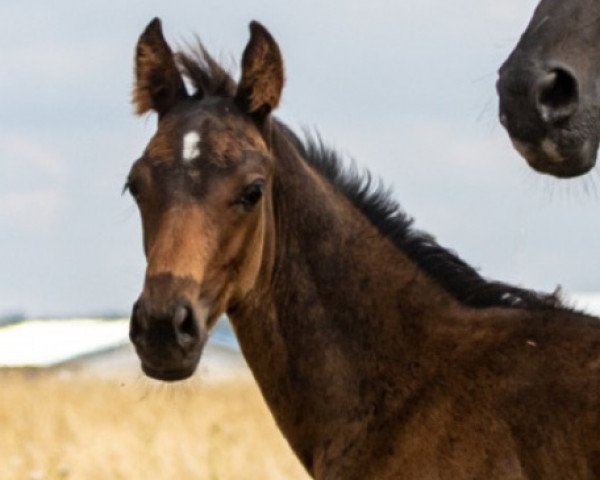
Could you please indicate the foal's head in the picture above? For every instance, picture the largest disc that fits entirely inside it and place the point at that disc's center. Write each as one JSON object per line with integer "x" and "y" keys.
{"x": 203, "y": 189}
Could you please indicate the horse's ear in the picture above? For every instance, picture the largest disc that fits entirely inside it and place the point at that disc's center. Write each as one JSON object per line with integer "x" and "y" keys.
{"x": 259, "y": 90}
{"x": 158, "y": 82}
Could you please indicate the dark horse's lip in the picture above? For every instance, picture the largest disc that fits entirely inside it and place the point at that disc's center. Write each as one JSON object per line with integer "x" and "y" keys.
{"x": 166, "y": 375}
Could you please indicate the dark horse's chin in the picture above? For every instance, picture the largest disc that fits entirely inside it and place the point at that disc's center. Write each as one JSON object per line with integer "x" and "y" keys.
{"x": 169, "y": 375}
{"x": 570, "y": 168}
{"x": 571, "y": 164}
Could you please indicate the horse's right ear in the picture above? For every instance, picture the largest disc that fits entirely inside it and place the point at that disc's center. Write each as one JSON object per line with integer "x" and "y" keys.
{"x": 158, "y": 82}
{"x": 259, "y": 90}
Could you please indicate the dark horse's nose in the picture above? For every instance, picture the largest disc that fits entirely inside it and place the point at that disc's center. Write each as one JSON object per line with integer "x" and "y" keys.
{"x": 168, "y": 340}
{"x": 553, "y": 93}
{"x": 177, "y": 324}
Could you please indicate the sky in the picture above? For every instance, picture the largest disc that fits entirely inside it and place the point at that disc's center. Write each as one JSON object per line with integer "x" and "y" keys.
{"x": 405, "y": 88}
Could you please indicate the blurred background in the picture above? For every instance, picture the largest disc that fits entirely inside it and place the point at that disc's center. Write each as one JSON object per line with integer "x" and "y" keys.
{"x": 405, "y": 88}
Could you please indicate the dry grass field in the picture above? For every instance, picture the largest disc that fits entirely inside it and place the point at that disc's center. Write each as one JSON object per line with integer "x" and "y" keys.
{"x": 79, "y": 427}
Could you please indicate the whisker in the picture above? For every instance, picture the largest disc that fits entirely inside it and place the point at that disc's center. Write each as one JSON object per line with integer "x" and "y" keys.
{"x": 485, "y": 109}
{"x": 126, "y": 214}
{"x": 586, "y": 185}
{"x": 593, "y": 181}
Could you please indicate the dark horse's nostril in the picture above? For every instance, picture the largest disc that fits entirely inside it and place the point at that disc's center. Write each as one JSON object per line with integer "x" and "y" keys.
{"x": 557, "y": 95}
{"x": 184, "y": 324}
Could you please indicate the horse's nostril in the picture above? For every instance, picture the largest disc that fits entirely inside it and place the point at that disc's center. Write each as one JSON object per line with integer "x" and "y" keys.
{"x": 557, "y": 95}
{"x": 186, "y": 330}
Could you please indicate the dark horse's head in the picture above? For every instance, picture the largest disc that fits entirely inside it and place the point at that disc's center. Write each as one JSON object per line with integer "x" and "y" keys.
{"x": 203, "y": 189}
{"x": 549, "y": 88}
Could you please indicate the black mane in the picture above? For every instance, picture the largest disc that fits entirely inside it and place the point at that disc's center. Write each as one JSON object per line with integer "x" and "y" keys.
{"x": 453, "y": 273}
{"x": 377, "y": 204}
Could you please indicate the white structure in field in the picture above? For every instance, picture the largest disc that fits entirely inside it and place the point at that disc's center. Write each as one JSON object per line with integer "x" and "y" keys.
{"x": 49, "y": 342}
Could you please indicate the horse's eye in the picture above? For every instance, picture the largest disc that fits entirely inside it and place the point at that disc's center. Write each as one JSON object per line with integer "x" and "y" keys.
{"x": 252, "y": 194}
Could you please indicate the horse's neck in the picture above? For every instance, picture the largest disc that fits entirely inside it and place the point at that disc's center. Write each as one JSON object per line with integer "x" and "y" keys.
{"x": 344, "y": 308}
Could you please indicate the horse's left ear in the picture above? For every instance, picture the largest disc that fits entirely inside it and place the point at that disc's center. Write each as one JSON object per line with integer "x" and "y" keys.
{"x": 158, "y": 82}
{"x": 260, "y": 87}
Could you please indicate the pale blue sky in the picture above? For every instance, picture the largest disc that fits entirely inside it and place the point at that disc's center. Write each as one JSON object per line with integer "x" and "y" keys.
{"x": 404, "y": 87}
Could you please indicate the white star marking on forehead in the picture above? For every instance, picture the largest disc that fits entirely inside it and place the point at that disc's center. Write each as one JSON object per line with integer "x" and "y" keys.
{"x": 191, "y": 146}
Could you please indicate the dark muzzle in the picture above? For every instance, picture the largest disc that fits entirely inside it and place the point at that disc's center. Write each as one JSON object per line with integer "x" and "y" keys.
{"x": 169, "y": 340}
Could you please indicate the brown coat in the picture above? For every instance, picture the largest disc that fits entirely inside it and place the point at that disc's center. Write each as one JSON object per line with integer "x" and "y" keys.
{"x": 380, "y": 354}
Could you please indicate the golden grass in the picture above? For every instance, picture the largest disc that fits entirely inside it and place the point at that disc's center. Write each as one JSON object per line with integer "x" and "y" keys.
{"x": 88, "y": 428}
